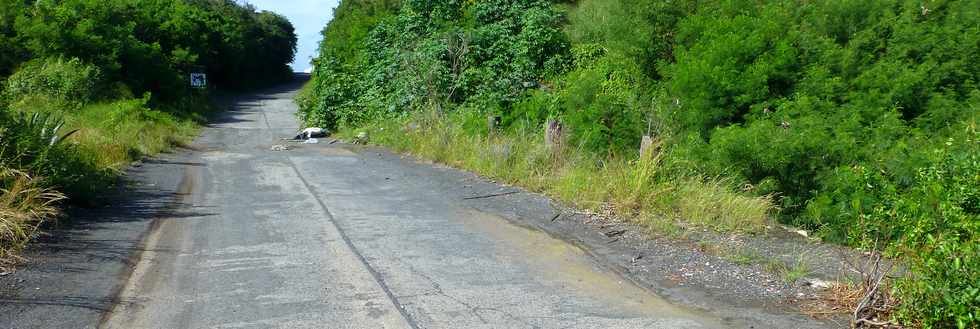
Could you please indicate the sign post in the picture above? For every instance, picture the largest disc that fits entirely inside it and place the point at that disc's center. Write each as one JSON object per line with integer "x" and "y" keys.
{"x": 199, "y": 79}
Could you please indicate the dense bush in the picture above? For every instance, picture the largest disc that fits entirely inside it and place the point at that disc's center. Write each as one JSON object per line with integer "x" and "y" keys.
{"x": 937, "y": 219}
{"x": 12, "y": 50}
{"x": 438, "y": 54}
{"x": 55, "y": 78}
{"x": 792, "y": 104}
{"x": 150, "y": 45}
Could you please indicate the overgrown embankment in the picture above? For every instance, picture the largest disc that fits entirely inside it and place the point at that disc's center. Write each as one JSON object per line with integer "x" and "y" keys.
{"x": 856, "y": 120}
{"x": 90, "y": 86}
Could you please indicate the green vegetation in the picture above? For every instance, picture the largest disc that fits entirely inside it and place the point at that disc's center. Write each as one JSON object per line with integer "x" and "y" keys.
{"x": 639, "y": 189}
{"x": 854, "y": 119}
{"x": 88, "y": 86}
{"x": 789, "y": 272}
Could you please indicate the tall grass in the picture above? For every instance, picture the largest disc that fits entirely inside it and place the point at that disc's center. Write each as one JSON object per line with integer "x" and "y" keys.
{"x": 639, "y": 189}
{"x": 111, "y": 134}
{"x": 24, "y": 205}
{"x": 119, "y": 132}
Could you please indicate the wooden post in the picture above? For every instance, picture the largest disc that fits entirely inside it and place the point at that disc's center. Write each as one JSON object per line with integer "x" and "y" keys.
{"x": 552, "y": 136}
{"x": 646, "y": 148}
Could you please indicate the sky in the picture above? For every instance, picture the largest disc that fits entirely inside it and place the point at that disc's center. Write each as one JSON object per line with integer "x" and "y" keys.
{"x": 308, "y": 17}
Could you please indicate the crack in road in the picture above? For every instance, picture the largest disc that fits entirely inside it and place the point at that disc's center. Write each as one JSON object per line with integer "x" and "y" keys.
{"x": 343, "y": 235}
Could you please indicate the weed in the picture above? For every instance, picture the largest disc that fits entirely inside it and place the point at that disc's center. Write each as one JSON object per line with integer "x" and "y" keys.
{"x": 658, "y": 224}
{"x": 743, "y": 257}
{"x": 839, "y": 298}
{"x": 790, "y": 272}
{"x": 712, "y": 203}
{"x": 24, "y": 205}
{"x": 797, "y": 271}
{"x": 775, "y": 266}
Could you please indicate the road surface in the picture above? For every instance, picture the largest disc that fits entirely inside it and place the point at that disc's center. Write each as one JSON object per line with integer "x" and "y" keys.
{"x": 333, "y": 236}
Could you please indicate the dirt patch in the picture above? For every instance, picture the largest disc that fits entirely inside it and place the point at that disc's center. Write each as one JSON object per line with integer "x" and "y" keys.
{"x": 571, "y": 265}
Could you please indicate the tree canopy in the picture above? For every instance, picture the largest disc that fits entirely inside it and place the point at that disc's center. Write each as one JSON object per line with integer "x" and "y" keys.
{"x": 149, "y": 45}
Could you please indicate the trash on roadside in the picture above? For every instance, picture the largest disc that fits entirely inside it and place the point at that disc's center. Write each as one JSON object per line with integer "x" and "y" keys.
{"x": 280, "y": 148}
{"x": 361, "y": 138}
{"x": 818, "y": 284}
{"x": 312, "y": 141}
{"x": 313, "y": 132}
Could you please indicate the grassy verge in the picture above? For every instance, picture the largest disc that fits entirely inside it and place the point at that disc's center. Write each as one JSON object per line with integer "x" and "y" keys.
{"x": 645, "y": 190}
{"x": 112, "y": 134}
{"x": 76, "y": 167}
{"x": 943, "y": 269}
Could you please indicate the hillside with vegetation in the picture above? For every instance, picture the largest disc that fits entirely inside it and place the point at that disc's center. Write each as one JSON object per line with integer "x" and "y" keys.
{"x": 853, "y": 119}
{"x": 88, "y": 86}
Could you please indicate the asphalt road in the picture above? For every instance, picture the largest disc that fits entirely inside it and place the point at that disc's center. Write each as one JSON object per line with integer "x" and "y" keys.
{"x": 331, "y": 236}
{"x": 228, "y": 233}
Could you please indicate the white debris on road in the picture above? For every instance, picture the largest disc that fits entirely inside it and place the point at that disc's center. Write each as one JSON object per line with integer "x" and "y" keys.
{"x": 312, "y": 132}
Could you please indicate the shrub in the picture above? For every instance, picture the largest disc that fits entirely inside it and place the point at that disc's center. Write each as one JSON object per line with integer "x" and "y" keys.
{"x": 12, "y": 50}
{"x": 598, "y": 101}
{"x": 937, "y": 222}
{"x": 34, "y": 143}
{"x": 455, "y": 53}
{"x": 69, "y": 81}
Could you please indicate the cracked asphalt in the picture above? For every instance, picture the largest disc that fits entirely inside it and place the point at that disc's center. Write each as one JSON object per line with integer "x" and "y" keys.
{"x": 336, "y": 236}
{"x": 245, "y": 230}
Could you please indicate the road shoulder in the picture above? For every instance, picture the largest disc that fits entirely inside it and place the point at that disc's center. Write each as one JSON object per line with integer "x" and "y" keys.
{"x": 676, "y": 269}
{"x": 74, "y": 272}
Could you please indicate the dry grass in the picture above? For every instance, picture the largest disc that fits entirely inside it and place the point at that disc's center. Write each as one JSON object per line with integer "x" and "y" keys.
{"x": 711, "y": 203}
{"x": 843, "y": 299}
{"x": 639, "y": 189}
{"x": 868, "y": 303}
{"x": 838, "y": 299}
{"x": 24, "y": 206}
